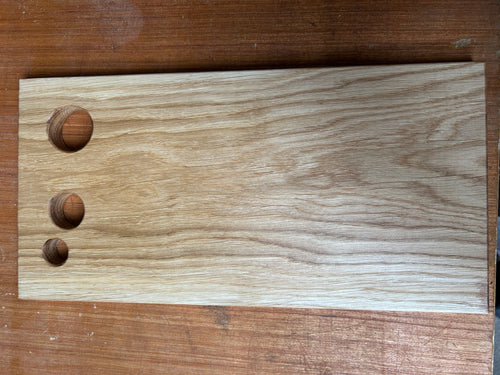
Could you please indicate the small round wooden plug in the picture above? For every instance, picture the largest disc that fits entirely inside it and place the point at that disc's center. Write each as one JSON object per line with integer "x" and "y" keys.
{"x": 70, "y": 128}
{"x": 67, "y": 210}
{"x": 55, "y": 251}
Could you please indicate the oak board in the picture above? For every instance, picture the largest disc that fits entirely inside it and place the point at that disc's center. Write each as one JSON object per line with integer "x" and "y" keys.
{"x": 359, "y": 187}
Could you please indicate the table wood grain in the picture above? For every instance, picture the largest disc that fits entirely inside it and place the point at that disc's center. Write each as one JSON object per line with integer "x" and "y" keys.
{"x": 43, "y": 39}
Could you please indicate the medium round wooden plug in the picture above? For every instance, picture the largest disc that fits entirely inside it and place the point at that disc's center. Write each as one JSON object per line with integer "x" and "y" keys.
{"x": 70, "y": 128}
{"x": 55, "y": 251}
{"x": 67, "y": 210}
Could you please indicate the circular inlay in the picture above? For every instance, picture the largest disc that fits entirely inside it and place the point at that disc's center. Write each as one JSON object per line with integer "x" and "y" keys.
{"x": 70, "y": 128}
{"x": 66, "y": 210}
{"x": 55, "y": 251}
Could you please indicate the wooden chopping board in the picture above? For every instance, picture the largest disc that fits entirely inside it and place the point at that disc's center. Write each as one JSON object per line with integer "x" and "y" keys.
{"x": 359, "y": 187}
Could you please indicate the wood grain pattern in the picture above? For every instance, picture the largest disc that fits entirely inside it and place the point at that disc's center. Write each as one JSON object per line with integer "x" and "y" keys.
{"x": 334, "y": 187}
{"x": 45, "y": 38}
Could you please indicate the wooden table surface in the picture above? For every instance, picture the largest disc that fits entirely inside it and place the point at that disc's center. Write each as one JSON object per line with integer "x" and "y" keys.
{"x": 49, "y": 38}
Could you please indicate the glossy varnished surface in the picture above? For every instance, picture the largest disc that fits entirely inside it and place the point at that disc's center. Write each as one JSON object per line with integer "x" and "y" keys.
{"x": 52, "y": 39}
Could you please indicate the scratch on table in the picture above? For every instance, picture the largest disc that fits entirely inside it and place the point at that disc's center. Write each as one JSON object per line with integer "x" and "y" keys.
{"x": 222, "y": 316}
{"x": 462, "y": 43}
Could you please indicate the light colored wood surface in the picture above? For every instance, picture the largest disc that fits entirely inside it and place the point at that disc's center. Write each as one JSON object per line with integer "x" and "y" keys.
{"x": 355, "y": 187}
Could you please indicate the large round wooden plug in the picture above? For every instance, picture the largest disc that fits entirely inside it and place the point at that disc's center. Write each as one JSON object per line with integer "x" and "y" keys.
{"x": 70, "y": 128}
{"x": 66, "y": 210}
{"x": 55, "y": 251}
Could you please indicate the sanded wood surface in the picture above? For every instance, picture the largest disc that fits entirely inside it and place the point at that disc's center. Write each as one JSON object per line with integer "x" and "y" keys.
{"x": 50, "y": 39}
{"x": 361, "y": 187}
